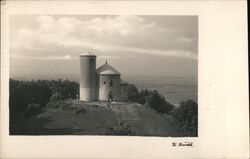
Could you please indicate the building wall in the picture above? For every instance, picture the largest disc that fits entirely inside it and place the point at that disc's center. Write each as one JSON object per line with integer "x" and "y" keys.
{"x": 105, "y": 88}
{"x": 124, "y": 92}
{"x": 88, "y": 78}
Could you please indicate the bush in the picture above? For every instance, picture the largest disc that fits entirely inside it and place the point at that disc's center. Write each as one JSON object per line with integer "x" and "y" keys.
{"x": 33, "y": 109}
{"x": 150, "y": 98}
{"x": 54, "y": 104}
{"x": 64, "y": 105}
{"x": 158, "y": 103}
{"x": 56, "y": 101}
{"x": 186, "y": 117}
{"x": 132, "y": 92}
{"x": 143, "y": 94}
{"x": 56, "y": 97}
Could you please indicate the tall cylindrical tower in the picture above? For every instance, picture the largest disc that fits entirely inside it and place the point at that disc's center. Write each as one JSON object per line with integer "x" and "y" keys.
{"x": 88, "y": 77}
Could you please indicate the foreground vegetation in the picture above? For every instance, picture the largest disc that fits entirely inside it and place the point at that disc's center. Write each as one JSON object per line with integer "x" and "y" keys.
{"x": 185, "y": 116}
{"x": 34, "y": 97}
{"x": 39, "y": 92}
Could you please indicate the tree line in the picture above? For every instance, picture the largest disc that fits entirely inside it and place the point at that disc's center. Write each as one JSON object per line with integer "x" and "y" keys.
{"x": 23, "y": 93}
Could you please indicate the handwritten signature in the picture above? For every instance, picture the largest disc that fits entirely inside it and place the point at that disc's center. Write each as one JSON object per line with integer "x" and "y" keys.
{"x": 186, "y": 143}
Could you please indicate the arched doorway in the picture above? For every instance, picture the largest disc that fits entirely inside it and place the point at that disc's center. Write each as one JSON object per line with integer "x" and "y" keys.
{"x": 110, "y": 96}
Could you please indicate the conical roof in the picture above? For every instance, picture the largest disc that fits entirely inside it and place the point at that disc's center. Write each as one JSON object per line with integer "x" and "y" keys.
{"x": 106, "y": 69}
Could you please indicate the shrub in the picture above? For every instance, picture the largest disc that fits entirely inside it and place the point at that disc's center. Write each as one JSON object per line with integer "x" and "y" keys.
{"x": 132, "y": 92}
{"x": 150, "y": 98}
{"x": 33, "y": 109}
{"x": 186, "y": 117}
{"x": 158, "y": 103}
{"x": 54, "y": 104}
{"x": 64, "y": 105}
{"x": 56, "y": 97}
{"x": 143, "y": 94}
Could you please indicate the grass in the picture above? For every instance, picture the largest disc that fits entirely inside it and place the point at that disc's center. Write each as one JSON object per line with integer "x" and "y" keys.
{"x": 73, "y": 117}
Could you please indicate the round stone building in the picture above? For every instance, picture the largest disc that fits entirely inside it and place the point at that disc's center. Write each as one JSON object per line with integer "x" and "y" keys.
{"x": 108, "y": 83}
{"x": 102, "y": 84}
{"x": 88, "y": 77}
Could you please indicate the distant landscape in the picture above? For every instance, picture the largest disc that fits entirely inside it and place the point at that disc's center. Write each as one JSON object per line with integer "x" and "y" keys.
{"x": 174, "y": 89}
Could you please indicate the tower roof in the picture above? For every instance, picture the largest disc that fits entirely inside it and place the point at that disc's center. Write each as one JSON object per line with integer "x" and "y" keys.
{"x": 106, "y": 69}
{"x": 87, "y": 53}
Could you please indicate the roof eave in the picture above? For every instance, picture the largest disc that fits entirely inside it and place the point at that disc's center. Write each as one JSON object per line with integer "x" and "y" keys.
{"x": 88, "y": 55}
{"x": 108, "y": 73}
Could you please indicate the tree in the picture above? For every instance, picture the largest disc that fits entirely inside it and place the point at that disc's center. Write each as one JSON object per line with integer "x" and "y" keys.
{"x": 158, "y": 103}
{"x": 132, "y": 93}
{"x": 143, "y": 94}
{"x": 39, "y": 91}
{"x": 186, "y": 116}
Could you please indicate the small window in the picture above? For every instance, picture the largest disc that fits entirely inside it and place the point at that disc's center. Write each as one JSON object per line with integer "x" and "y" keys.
{"x": 111, "y": 83}
{"x": 91, "y": 61}
{"x": 104, "y": 82}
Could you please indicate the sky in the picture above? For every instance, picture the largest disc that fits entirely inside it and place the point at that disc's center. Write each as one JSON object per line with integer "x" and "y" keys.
{"x": 49, "y": 45}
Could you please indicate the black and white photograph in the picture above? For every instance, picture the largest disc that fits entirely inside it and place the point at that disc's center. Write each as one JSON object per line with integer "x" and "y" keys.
{"x": 115, "y": 75}
{"x": 124, "y": 79}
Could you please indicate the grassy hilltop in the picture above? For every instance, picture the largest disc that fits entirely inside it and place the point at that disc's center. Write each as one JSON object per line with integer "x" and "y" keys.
{"x": 97, "y": 118}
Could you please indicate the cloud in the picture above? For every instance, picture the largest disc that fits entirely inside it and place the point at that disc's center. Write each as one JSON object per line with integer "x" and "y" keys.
{"x": 46, "y": 23}
{"x": 66, "y": 57}
{"x": 119, "y": 25}
{"x": 103, "y": 34}
{"x": 114, "y": 57}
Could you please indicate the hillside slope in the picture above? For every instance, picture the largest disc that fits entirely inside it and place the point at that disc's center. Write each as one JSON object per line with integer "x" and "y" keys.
{"x": 97, "y": 118}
